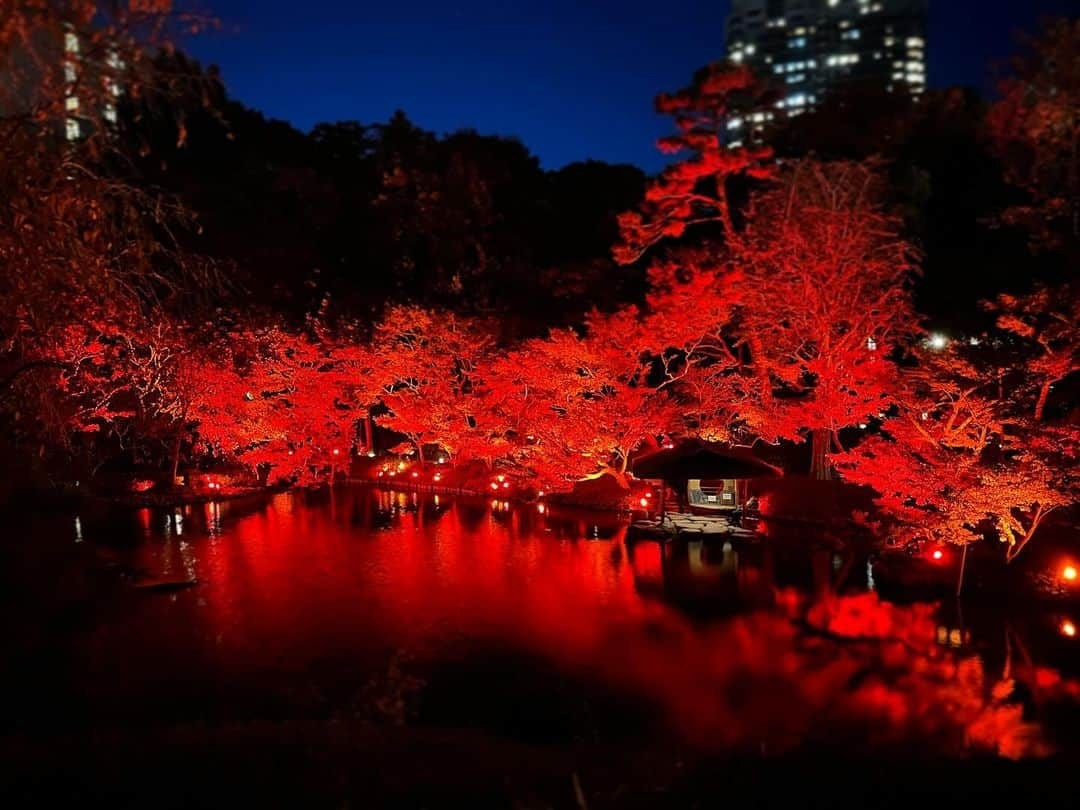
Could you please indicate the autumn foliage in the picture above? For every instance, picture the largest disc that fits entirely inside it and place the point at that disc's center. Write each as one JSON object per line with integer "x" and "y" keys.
{"x": 777, "y": 305}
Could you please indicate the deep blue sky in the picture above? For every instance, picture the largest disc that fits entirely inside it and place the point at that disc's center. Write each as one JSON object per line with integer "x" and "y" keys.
{"x": 572, "y": 80}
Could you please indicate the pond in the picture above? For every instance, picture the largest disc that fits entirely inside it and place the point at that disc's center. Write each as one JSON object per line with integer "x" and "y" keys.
{"x": 528, "y": 623}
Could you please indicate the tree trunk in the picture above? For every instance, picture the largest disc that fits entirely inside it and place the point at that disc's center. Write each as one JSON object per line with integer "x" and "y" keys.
{"x": 419, "y": 451}
{"x": 176, "y": 459}
{"x": 1040, "y": 406}
{"x": 819, "y": 454}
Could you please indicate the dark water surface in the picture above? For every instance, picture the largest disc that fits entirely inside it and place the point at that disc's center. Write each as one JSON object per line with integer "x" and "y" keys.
{"x": 527, "y": 622}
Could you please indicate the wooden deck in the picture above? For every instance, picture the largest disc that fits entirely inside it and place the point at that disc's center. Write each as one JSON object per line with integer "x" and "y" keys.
{"x": 687, "y": 526}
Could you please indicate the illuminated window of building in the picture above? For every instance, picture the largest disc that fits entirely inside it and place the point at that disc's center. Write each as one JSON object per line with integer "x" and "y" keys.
{"x": 72, "y": 129}
{"x": 71, "y": 103}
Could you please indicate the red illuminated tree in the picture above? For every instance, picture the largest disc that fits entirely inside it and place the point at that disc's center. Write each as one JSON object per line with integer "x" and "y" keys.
{"x": 954, "y": 465}
{"x": 277, "y": 400}
{"x": 697, "y": 190}
{"x": 91, "y": 262}
{"x": 425, "y": 364}
{"x": 577, "y": 404}
{"x": 826, "y": 297}
{"x": 1048, "y": 322}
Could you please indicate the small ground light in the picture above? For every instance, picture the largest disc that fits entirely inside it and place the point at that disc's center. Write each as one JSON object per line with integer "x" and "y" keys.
{"x": 1069, "y": 573}
{"x": 337, "y": 452}
{"x": 938, "y": 554}
{"x": 416, "y": 475}
{"x": 1068, "y": 629}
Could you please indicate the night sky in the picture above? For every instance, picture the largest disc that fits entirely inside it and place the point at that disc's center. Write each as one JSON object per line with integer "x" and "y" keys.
{"x": 572, "y": 80}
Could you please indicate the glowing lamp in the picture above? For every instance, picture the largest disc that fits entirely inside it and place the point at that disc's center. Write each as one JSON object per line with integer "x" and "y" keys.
{"x": 1069, "y": 573}
{"x": 437, "y": 477}
{"x": 500, "y": 478}
{"x": 540, "y": 494}
{"x": 506, "y": 484}
{"x": 336, "y": 451}
{"x": 416, "y": 475}
{"x": 938, "y": 554}
{"x": 645, "y": 502}
{"x": 1068, "y": 629}
{"x": 393, "y": 473}
{"x": 494, "y": 485}
{"x": 648, "y": 494}
{"x": 440, "y": 460}
{"x": 371, "y": 454}
{"x": 938, "y": 341}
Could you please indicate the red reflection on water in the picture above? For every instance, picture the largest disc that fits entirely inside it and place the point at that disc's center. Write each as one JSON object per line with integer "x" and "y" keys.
{"x": 313, "y": 584}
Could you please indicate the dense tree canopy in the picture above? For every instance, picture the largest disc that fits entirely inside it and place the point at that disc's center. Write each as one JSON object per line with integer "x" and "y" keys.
{"x": 185, "y": 283}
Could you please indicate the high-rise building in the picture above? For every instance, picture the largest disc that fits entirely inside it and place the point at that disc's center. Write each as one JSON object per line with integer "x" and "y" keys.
{"x": 805, "y": 47}
{"x": 58, "y": 63}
